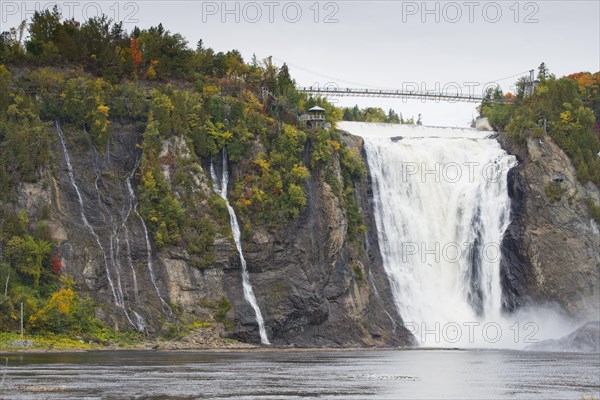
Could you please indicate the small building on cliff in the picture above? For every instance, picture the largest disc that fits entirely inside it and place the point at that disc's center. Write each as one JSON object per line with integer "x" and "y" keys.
{"x": 314, "y": 118}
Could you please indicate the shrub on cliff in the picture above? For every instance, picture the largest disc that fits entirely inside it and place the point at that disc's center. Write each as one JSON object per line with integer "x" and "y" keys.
{"x": 568, "y": 107}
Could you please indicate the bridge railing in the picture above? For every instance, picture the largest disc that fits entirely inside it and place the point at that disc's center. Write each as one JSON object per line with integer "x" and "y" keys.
{"x": 312, "y": 117}
{"x": 364, "y": 92}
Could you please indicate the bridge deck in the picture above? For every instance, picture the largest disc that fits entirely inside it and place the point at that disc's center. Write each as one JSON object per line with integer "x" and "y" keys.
{"x": 391, "y": 93}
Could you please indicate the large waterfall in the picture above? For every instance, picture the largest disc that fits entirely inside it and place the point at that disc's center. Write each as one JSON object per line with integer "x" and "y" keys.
{"x": 441, "y": 208}
{"x": 221, "y": 190}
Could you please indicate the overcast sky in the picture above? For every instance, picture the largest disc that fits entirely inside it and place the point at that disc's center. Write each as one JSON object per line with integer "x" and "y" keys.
{"x": 377, "y": 44}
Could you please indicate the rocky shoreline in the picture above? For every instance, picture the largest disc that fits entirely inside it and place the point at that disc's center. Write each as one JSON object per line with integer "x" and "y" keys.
{"x": 203, "y": 339}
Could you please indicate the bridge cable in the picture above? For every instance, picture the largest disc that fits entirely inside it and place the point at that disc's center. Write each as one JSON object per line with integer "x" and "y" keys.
{"x": 335, "y": 80}
{"x": 367, "y": 86}
{"x": 508, "y": 77}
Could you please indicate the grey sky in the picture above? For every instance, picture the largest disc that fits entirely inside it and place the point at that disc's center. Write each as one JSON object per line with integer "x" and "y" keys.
{"x": 378, "y": 44}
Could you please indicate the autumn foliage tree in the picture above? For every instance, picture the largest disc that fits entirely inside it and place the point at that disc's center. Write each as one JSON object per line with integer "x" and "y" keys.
{"x": 56, "y": 264}
{"x": 589, "y": 89}
{"x": 568, "y": 109}
{"x": 136, "y": 54}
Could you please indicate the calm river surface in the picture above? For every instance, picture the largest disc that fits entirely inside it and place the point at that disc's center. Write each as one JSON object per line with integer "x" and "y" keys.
{"x": 456, "y": 374}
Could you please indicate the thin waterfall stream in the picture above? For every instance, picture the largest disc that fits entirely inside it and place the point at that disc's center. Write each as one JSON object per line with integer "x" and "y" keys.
{"x": 235, "y": 229}
{"x": 117, "y": 292}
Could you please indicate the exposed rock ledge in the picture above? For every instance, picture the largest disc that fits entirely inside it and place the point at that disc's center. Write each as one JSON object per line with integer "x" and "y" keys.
{"x": 551, "y": 250}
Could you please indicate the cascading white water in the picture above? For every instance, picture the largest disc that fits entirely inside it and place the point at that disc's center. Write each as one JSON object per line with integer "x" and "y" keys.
{"x": 82, "y": 208}
{"x": 130, "y": 206}
{"x": 139, "y": 322}
{"x": 130, "y": 263}
{"x": 235, "y": 229}
{"x": 441, "y": 208}
{"x": 134, "y": 206}
{"x": 113, "y": 249}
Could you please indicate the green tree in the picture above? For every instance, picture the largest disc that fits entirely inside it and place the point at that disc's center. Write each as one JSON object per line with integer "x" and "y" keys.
{"x": 5, "y": 79}
{"x": 164, "y": 52}
{"x": 542, "y": 72}
{"x": 11, "y": 47}
{"x": 27, "y": 255}
{"x": 43, "y": 31}
{"x": 285, "y": 83}
{"x": 393, "y": 117}
{"x": 160, "y": 208}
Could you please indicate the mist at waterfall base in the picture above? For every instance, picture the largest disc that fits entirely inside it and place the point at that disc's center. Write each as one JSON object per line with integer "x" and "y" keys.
{"x": 441, "y": 207}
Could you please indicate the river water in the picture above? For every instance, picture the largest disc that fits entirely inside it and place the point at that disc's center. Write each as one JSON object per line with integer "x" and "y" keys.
{"x": 391, "y": 374}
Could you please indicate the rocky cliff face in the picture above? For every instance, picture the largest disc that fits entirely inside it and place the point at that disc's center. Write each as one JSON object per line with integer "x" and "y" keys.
{"x": 313, "y": 284}
{"x": 101, "y": 234}
{"x": 551, "y": 250}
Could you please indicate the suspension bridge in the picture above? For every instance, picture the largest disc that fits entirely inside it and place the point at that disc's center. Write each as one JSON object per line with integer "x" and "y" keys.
{"x": 333, "y": 91}
{"x": 454, "y": 93}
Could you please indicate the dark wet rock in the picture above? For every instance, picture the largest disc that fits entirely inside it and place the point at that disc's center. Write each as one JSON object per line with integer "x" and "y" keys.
{"x": 551, "y": 250}
{"x": 514, "y": 265}
{"x": 304, "y": 282}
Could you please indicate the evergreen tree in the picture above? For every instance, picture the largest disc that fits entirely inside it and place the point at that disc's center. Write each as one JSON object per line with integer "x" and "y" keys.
{"x": 284, "y": 80}
{"x": 393, "y": 117}
{"x": 542, "y": 72}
